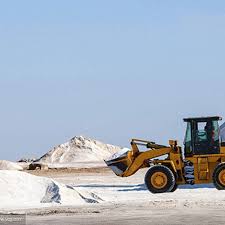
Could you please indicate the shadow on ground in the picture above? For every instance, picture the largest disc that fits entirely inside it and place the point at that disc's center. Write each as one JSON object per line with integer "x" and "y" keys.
{"x": 126, "y": 187}
{"x": 141, "y": 187}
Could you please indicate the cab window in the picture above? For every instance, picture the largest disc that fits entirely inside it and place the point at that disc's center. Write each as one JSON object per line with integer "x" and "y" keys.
{"x": 201, "y": 132}
{"x": 187, "y": 140}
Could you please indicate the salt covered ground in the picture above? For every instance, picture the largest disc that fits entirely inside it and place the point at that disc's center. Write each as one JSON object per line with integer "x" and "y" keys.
{"x": 120, "y": 201}
{"x": 117, "y": 190}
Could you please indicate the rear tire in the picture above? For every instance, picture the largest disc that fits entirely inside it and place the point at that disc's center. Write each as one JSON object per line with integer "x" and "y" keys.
{"x": 219, "y": 176}
{"x": 160, "y": 179}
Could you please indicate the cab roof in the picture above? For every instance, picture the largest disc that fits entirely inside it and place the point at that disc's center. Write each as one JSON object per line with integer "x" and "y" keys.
{"x": 202, "y": 119}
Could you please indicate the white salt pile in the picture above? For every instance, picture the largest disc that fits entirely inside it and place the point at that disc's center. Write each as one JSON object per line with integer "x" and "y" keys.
{"x": 7, "y": 165}
{"x": 23, "y": 190}
{"x": 80, "y": 150}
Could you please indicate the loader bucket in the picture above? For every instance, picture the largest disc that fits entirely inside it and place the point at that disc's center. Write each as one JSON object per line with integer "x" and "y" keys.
{"x": 119, "y": 162}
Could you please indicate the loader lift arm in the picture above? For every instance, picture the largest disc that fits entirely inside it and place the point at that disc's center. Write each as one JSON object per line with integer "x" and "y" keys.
{"x": 141, "y": 159}
{"x": 128, "y": 164}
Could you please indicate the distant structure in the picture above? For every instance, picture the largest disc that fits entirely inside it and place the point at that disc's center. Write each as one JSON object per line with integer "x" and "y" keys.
{"x": 38, "y": 166}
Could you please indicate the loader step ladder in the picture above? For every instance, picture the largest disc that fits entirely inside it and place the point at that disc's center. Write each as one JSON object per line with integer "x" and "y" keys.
{"x": 203, "y": 168}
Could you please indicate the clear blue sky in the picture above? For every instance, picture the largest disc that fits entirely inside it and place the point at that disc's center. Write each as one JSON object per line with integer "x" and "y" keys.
{"x": 111, "y": 70}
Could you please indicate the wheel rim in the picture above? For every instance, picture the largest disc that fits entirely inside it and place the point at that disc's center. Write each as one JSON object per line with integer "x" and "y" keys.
{"x": 159, "y": 180}
{"x": 222, "y": 177}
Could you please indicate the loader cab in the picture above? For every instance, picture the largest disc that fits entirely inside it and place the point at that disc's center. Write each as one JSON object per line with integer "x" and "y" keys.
{"x": 202, "y": 136}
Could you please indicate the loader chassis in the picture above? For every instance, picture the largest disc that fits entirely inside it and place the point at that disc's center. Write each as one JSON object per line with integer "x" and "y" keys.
{"x": 202, "y": 160}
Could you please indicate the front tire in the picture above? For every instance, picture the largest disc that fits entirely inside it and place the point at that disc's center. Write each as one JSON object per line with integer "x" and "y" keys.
{"x": 219, "y": 176}
{"x": 160, "y": 179}
{"x": 174, "y": 188}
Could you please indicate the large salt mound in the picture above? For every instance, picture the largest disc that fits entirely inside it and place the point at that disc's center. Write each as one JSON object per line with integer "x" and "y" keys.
{"x": 80, "y": 150}
{"x": 7, "y": 165}
{"x": 23, "y": 190}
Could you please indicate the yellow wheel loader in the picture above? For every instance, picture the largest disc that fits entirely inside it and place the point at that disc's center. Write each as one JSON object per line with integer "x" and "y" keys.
{"x": 201, "y": 161}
